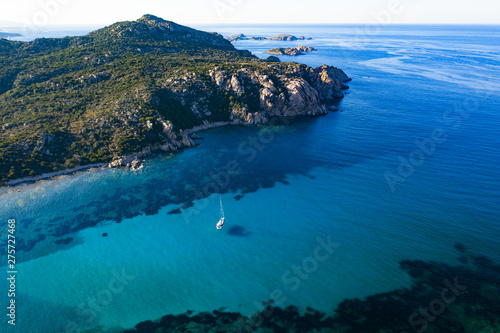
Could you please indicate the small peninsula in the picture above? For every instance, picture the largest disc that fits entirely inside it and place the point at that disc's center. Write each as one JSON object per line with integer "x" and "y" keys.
{"x": 136, "y": 87}
{"x": 292, "y": 51}
{"x": 281, "y": 37}
{"x": 9, "y": 34}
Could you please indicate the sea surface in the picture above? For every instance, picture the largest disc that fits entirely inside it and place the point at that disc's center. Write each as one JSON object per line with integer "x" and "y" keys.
{"x": 407, "y": 169}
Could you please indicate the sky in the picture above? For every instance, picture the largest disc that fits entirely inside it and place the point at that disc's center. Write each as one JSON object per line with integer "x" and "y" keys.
{"x": 104, "y": 12}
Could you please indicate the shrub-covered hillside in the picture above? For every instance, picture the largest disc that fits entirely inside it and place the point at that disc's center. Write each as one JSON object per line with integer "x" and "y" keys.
{"x": 82, "y": 100}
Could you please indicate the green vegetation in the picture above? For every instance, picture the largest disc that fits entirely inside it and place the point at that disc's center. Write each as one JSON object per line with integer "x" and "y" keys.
{"x": 294, "y": 51}
{"x": 278, "y": 50}
{"x": 80, "y": 100}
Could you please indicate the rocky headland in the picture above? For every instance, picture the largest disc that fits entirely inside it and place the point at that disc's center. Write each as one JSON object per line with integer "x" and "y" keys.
{"x": 125, "y": 91}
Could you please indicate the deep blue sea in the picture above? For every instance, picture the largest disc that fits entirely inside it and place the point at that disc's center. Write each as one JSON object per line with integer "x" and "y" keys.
{"x": 408, "y": 168}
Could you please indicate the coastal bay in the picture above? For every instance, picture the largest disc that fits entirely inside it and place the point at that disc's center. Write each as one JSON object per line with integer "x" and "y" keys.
{"x": 295, "y": 182}
{"x": 134, "y": 88}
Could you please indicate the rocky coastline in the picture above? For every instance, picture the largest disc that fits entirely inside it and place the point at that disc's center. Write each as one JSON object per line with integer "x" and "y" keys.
{"x": 292, "y": 51}
{"x": 193, "y": 81}
{"x": 303, "y": 97}
{"x": 19, "y": 181}
{"x": 280, "y": 37}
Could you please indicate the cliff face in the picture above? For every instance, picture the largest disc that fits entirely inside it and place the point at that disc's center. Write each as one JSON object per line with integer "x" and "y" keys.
{"x": 284, "y": 90}
{"x": 134, "y": 87}
{"x": 329, "y": 81}
{"x": 277, "y": 90}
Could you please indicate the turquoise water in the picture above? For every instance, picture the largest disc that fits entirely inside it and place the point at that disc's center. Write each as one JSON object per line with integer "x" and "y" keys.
{"x": 324, "y": 177}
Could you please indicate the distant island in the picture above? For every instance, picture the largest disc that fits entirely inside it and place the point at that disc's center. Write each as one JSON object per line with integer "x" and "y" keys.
{"x": 282, "y": 37}
{"x": 135, "y": 87}
{"x": 292, "y": 51}
{"x": 9, "y": 34}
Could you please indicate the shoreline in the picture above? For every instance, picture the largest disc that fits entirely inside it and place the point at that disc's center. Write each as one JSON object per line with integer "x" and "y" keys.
{"x": 44, "y": 176}
{"x": 146, "y": 151}
{"x": 126, "y": 161}
{"x": 274, "y": 89}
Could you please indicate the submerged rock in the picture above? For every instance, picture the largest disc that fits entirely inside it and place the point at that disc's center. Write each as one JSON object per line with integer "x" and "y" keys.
{"x": 442, "y": 298}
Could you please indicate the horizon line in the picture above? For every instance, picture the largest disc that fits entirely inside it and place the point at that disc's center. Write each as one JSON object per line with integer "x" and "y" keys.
{"x": 16, "y": 25}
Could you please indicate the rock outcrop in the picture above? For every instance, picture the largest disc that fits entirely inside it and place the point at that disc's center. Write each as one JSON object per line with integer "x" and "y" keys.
{"x": 306, "y": 48}
{"x": 301, "y": 99}
{"x": 329, "y": 81}
{"x": 292, "y": 90}
{"x": 287, "y": 37}
{"x": 293, "y": 51}
{"x": 281, "y": 37}
{"x": 135, "y": 87}
{"x": 296, "y": 91}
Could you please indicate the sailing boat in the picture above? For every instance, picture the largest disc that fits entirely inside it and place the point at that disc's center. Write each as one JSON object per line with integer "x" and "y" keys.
{"x": 220, "y": 224}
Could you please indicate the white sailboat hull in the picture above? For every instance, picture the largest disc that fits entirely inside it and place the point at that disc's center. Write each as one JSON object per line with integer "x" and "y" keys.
{"x": 220, "y": 224}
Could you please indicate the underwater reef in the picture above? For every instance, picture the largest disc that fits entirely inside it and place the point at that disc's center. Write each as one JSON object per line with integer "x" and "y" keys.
{"x": 442, "y": 298}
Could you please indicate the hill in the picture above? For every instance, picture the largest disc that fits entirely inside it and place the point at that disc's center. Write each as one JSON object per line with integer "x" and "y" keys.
{"x": 137, "y": 86}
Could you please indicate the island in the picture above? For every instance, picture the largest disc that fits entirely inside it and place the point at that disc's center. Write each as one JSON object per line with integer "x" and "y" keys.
{"x": 9, "y": 34}
{"x": 137, "y": 87}
{"x": 281, "y": 37}
{"x": 292, "y": 51}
